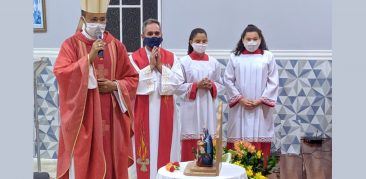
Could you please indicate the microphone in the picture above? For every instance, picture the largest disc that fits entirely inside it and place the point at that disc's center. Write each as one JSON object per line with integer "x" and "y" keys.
{"x": 100, "y": 36}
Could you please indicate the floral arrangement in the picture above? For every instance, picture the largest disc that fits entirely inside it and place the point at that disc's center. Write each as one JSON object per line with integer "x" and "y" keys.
{"x": 246, "y": 156}
{"x": 172, "y": 166}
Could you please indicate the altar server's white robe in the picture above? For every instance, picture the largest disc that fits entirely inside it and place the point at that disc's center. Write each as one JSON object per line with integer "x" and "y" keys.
{"x": 199, "y": 113}
{"x": 252, "y": 76}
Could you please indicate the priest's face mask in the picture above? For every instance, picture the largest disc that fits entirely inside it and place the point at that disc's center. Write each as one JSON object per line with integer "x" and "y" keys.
{"x": 93, "y": 21}
{"x": 251, "y": 41}
{"x": 152, "y": 35}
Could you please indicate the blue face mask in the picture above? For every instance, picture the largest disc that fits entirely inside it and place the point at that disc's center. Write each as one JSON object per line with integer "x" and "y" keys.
{"x": 152, "y": 41}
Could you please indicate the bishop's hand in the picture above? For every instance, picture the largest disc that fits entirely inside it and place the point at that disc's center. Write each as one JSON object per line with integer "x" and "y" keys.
{"x": 106, "y": 86}
{"x": 97, "y": 46}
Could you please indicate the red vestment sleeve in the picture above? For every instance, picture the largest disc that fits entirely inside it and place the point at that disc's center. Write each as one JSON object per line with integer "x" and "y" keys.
{"x": 234, "y": 101}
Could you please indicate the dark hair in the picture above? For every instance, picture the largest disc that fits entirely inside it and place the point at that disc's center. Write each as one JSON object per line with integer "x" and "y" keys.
{"x": 193, "y": 34}
{"x": 250, "y": 28}
{"x": 150, "y": 21}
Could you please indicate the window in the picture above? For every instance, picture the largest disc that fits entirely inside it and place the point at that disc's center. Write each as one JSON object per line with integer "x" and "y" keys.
{"x": 125, "y": 18}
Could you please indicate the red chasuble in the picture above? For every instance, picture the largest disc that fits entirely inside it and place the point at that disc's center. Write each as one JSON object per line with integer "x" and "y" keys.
{"x": 93, "y": 130}
{"x": 142, "y": 138}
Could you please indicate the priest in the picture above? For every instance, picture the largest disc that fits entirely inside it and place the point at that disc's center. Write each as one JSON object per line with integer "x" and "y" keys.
{"x": 97, "y": 87}
{"x": 160, "y": 74}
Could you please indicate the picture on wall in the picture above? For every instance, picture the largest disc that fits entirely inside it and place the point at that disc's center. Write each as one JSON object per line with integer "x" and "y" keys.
{"x": 39, "y": 16}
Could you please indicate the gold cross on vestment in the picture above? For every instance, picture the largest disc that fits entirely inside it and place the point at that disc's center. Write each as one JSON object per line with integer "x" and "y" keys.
{"x": 101, "y": 72}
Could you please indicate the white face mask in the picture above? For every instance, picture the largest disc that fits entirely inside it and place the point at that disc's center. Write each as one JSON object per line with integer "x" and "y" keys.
{"x": 91, "y": 28}
{"x": 252, "y": 45}
{"x": 199, "y": 48}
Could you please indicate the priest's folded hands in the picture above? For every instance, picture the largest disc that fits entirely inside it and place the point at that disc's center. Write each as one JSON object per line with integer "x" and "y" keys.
{"x": 155, "y": 59}
{"x": 106, "y": 86}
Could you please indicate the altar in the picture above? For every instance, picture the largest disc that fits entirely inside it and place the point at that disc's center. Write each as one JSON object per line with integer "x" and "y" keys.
{"x": 219, "y": 169}
{"x": 228, "y": 171}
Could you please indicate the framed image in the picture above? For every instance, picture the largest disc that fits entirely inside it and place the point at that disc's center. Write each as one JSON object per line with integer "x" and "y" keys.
{"x": 39, "y": 16}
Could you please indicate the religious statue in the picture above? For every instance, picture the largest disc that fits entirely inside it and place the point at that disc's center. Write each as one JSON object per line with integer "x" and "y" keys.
{"x": 205, "y": 150}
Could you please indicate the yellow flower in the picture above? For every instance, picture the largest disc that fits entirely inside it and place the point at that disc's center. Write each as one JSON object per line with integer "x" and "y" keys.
{"x": 259, "y": 176}
{"x": 249, "y": 171}
{"x": 237, "y": 163}
{"x": 259, "y": 154}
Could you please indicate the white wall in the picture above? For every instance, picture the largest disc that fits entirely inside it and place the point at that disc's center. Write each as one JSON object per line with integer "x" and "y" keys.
{"x": 286, "y": 24}
{"x": 62, "y": 18}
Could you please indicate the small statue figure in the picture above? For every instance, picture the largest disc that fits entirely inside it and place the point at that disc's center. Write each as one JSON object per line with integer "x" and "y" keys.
{"x": 205, "y": 150}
